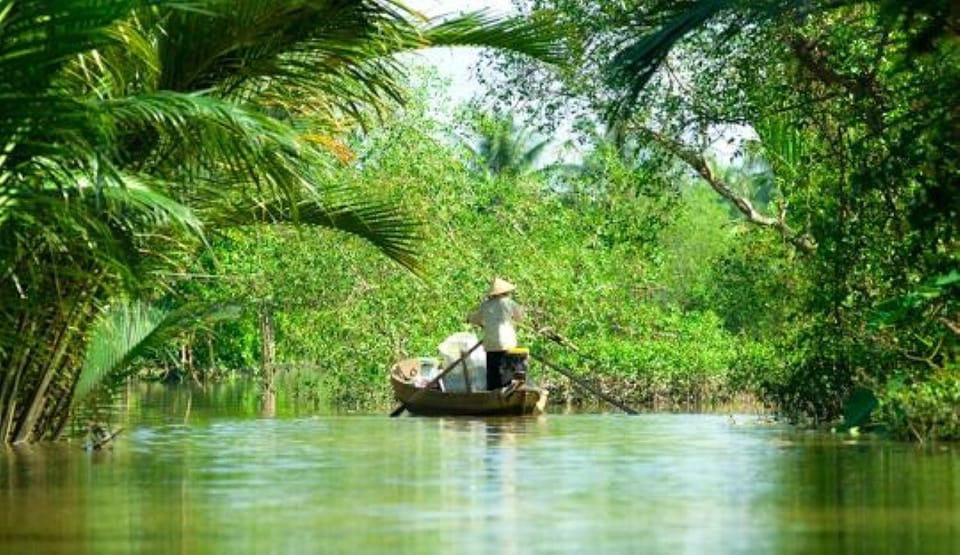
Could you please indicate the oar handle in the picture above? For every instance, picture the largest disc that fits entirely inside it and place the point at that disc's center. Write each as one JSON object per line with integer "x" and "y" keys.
{"x": 453, "y": 364}
{"x": 437, "y": 378}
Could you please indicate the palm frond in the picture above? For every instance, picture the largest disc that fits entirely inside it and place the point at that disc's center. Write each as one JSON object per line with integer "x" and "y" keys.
{"x": 126, "y": 331}
{"x": 504, "y": 148}
{"x": 49, "y": 125}
{"x": 637, "y": 62}
{"x": 660, "y": 26}
{"x": 246, "y": 42}
{"x": 539, "y": 40}
{"x": 131, "y": 198}
{"x": 128, "y": 64}
{"x": 782, "y": 146}
{"x": 337, "y": 58}
{"x": 239, "y": 146}
{"x": 533, "y": 154}
{"x": 217, "y": 149}
{"x": 113, "y": 197}
{"x": 37, "y": 39}
{"x": 381, "y": 224}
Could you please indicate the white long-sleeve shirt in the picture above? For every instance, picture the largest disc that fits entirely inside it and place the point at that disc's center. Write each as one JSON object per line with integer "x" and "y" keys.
{"x": 496, "y": 315}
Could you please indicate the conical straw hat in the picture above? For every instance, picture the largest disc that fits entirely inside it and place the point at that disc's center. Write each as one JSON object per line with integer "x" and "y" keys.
{"x": 500, "y": 287}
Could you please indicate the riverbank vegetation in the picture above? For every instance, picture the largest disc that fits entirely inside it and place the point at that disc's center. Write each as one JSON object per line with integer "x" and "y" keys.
{"x": 606, "y": 265}
{"x": 189, "y": 223}
{"x": 134, "y": 132}
{"x": 847, "y": 110}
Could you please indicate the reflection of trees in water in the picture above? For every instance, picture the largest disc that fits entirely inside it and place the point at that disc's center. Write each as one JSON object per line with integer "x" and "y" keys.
{"x": 152, "y": 402}
{"x": 504, "y": 472}
{"x": 48, "y": 471}
{"x": 68, "y": 500}
{"x": 500, "y": 470}
{"x": 868, "y": 496}
{"x": 488, "y": 494}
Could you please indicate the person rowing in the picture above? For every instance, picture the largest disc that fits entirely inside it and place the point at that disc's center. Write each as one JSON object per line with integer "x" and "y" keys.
{"x": 496, "y": 315}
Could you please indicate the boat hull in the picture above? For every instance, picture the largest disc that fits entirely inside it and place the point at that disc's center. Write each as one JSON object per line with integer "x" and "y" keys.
{"x": 509, "y": 401}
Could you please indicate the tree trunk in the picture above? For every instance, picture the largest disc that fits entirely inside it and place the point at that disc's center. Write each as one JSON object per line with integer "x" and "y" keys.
{"x": 63, "y": 339}
{"x": 268, "y": 348}
{"x": 698, "y": 163}
{"x": 212, "y": 354}
{"x": 64, "y": 409}
{"x": 11, "y": 383}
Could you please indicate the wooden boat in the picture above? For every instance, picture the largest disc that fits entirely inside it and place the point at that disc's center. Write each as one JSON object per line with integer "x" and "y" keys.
{"x": 514, "y": 399}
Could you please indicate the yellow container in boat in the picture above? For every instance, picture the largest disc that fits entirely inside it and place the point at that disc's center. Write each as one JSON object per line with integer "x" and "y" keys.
{"x": 518, "y": 351}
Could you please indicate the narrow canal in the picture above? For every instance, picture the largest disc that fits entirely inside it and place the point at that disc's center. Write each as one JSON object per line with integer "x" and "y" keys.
{"x": 205, "y": 474}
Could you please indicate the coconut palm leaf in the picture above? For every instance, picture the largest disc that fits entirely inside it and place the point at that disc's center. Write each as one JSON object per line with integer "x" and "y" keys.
{"x": 86, "y": 226}
{"x": 126, "y": 331}
{"x": 243, "y": 43}
{"x": 277, "y": 160}
{"x": 336, "y": 58}
{"x": 783, "y": 146}
{"x": 636, "y": 63}
{"x": 533, "y": 153}
{"x": 44, "y": 52}
{"x": 504, "y": 149}
{"x": 540, "y": 41}
{"x": 36, "y": 42}
{"x": 128, "y": 63}
{"x": 194, "y": 132}
{"x": 109, "y": 198}
{"x": 383, "y": 225}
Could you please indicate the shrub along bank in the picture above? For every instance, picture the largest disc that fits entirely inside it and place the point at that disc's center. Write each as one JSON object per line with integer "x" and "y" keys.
{"x": 589, "y": 254}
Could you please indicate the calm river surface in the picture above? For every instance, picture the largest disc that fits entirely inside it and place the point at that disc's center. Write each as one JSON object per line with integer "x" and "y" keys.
{"x": 203, "y": 473}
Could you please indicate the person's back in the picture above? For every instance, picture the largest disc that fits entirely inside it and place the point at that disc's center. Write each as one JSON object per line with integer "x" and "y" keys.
{"x": 496, "y": 316}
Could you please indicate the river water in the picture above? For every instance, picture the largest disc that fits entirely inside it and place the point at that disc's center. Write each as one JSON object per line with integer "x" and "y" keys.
{"x": 203, "y": 473}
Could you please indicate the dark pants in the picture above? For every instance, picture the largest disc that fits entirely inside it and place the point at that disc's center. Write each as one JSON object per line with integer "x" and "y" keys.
{"x": 494, "y": 364}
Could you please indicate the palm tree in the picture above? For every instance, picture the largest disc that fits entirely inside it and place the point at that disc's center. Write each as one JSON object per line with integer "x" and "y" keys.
{"x": 503, "y": 148}
{"x": 130, "y": 130}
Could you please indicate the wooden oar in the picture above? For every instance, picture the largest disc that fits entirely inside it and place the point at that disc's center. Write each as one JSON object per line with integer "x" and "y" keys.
{"x": 564, "y": 342}
{"x": 619, "y": 404}
{"x": 399, "y": 410}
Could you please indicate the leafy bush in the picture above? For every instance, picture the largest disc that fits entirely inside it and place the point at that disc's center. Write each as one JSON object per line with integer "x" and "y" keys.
{"x": 923, "y": 410}
{"x": 343, "y": 313}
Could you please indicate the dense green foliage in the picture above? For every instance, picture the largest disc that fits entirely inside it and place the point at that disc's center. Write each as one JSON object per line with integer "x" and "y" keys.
{"x": 851, "y": 109}
{"x": 135, "y": 131}
{"x": 164, "y": 163}
{"x": 599, "y": 260}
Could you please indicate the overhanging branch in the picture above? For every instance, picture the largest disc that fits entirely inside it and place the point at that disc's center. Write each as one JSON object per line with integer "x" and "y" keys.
{"x": 697, "y": 161}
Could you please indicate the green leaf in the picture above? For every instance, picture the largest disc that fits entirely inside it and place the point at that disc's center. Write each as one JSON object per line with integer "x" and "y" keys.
{"x": 126, "y": 331}
{"x": 948, "y": 279}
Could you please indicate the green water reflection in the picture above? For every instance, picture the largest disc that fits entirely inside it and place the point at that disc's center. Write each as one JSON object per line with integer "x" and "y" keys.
{"x": 205, "y": 473}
